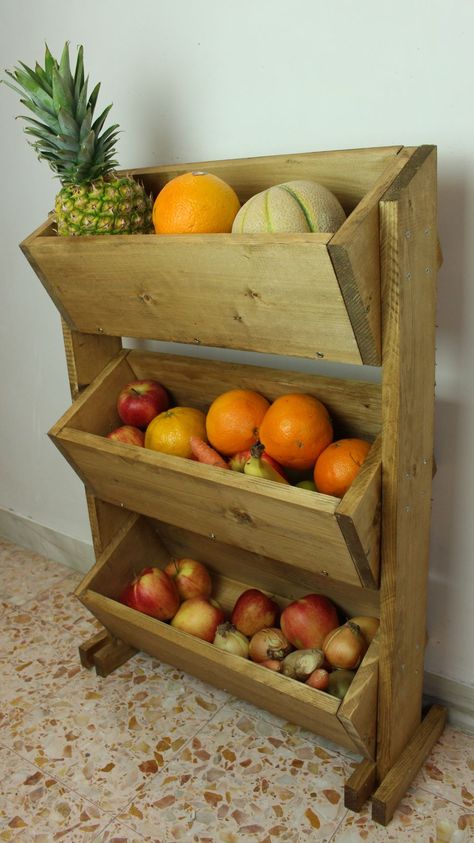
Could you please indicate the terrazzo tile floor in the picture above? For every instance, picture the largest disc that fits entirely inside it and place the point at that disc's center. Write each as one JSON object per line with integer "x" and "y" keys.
{"x": 152, "y": 754}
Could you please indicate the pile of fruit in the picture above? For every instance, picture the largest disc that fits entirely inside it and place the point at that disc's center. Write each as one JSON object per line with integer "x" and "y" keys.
{"x": 289, "y": 440}
{"x": 304, "y": 641}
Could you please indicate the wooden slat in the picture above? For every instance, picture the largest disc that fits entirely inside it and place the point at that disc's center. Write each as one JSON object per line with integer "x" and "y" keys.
{"x": 89, "y": 647}
{"x": 86, "y": 356}
{"x": 354, "y": 405}
{"x": 354, "y": 251}
{"x": 409, "y": 262}
{"x": 358, "y": 709}
{"x": 294, "y": 701}
{"x": 358, "y": 516}
{"x": 398, "y": 779}
{"x": 349, "y": 173}
{"x": 113, "y": 655}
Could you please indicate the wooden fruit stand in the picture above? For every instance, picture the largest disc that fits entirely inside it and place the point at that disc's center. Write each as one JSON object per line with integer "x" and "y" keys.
{"x": 364, "y": 295}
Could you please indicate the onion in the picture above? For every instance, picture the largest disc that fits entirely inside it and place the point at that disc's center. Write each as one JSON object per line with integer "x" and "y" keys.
{"x": 269, "y": 643}
{"x": 301, "y": 663}
{"x": 345, "y": 646}
{"x": 368, "y": 626}
{"x": 229, "y": 638}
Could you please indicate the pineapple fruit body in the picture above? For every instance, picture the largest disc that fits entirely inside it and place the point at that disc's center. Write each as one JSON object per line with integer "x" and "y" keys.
{"x": 111, "y": 205}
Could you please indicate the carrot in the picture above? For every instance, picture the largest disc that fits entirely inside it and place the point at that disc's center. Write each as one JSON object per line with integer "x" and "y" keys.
{"x": 205, "y": 454}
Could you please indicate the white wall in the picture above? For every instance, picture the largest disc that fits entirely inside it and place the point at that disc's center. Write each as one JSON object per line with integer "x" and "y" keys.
{"x": 210, "y": 79}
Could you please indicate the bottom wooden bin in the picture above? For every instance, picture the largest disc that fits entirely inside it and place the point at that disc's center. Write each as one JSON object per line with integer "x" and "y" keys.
{"x": 143, "y": 542}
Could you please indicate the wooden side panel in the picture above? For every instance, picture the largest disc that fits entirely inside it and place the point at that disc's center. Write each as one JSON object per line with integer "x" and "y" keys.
{"x": 358, "y": 709}
{"x": 355, "y": 253}
{"x": 86, "y": 356}
{"x": 358, "y": 515}
{"x": 409, "y": 264}
{"x": 291, "y": 700}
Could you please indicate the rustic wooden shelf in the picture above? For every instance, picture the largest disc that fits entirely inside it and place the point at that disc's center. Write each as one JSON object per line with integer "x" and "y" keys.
{"x": 366, "y": 294}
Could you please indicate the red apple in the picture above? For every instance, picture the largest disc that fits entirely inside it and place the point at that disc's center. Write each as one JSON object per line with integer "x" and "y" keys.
{"x": 152, "y": 592}
{"x": 307, "y": 621}
{"x": 199, "y": 616}
{"x": 128, "y": 434}
{"x": 238, "y": 461}
{"x": 191, "y": 577}
{"x": 140, "y": 401}
{"x": 253, "y": 611}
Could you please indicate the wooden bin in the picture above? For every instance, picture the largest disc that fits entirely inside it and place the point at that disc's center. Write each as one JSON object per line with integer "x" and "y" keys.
{"x": 337, "y": 539}
{"x": 237, "y": 291}
{"x": 141, "y": 543}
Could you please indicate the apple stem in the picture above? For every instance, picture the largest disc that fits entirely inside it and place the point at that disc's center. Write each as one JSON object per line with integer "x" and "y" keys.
{"x": 135, "y": 391}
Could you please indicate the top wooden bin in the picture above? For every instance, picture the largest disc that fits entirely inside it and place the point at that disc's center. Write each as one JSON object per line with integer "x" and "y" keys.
{"x": 301, "y": 295}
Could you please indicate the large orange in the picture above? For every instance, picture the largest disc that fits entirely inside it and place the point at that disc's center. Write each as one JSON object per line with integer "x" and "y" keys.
{"x": 295, "y": 430}
{"x": 233, "y": 420}
{"x": 338, "y": 465}
{"x": 170, "y": 432}
{"x": 195, "y": 203}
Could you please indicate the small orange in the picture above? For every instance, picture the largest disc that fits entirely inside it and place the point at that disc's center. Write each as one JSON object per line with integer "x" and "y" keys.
{"x": 338, "y": 465}
{"x": 195, "y": 203}
{"x": 295, "y": 430}
{"x": 170, "y": 432}
{"x": 233, "y": 420}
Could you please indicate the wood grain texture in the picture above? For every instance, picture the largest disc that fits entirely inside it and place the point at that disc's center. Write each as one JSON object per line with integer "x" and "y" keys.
{"x": 357, "y": 709}
{"x": 399, "y": 777}
{"x": 360, "y": 784}
{"x": 409, "y": 262}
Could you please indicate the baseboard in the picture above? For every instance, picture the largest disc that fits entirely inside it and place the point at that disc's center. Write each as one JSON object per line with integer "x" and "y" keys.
{"x": 77, "y": 554}
{"x": 56, "y": 546}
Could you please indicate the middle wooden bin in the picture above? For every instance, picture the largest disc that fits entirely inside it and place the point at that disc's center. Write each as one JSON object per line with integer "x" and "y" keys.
{"x": 332, "y": 538}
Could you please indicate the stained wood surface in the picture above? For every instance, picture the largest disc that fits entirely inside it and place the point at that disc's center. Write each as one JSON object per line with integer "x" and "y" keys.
{"x": 360, "y": 785}
{"x": 409, "y": 263}
{"x": 358, "y": 706}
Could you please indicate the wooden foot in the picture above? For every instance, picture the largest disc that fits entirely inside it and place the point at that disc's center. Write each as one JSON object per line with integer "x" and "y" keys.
{"x": 360, "y": 785}
{"x": 398, "y": 779}
{"x": 105, "y": 653}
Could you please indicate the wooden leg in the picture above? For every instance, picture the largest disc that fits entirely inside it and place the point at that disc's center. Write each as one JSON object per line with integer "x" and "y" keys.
{"x": 360, "y": 785}
{"x": 105, "y": 653}
{"x": 399, "y": 777}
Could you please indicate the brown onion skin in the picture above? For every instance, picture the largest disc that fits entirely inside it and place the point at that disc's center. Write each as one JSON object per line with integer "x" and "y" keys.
{"x": 345, "y": 646}
{"x": 269, "y": 643}
{"x": 368, "y": 626}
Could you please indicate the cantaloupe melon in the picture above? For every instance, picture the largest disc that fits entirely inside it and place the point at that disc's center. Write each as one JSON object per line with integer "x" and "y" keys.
{"x": 299, "y": 205}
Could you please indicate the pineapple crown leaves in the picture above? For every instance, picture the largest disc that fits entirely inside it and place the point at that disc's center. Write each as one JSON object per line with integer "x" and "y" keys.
{"x": 63, "y": 130}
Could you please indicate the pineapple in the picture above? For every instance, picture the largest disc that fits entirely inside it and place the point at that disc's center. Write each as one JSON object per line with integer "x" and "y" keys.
{"x": 94, "y": 199}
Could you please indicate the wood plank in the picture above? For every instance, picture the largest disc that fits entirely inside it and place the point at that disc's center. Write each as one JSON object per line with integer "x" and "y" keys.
{"x": 272, "y": 576}
{"x": 355, "y": 254}
{"x": 399, "y": 777}
{"x": 358, "y": 516}
{"x": 86, "y": 356}
{"x": 158, "y": 287}
{"x": 349, "y": 173}
{"x": 354, "y": 405}
{"x": 409, "y": 263}
{"x": 282, "y": 522}
{"x": 113, "y": 655}
{"x": 360, "y": 785}
{"x": 358, "y": 711}
{"x": 294, "y": 701}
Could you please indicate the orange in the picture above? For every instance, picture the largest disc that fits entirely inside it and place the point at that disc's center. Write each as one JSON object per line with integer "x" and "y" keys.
{"x": 295, "y": 430}
{"x": 233, "y": 420}
{"x": 338, "y": 465}
{"x": 195, "y": 203}
{"x": 170, "y": 432}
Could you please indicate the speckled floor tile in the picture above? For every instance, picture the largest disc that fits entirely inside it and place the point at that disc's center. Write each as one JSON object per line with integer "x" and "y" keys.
{"x": 35, "y": 808}
{"x": 118, "y": 833}
{"x": 106, "y": 737}
{"x": 243, "y": 778}
{"x": 449, "y": 771}
{"x": 25, "y": 574}
{"x": 59, "y": 606}
{"x": 421, "y": 817}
